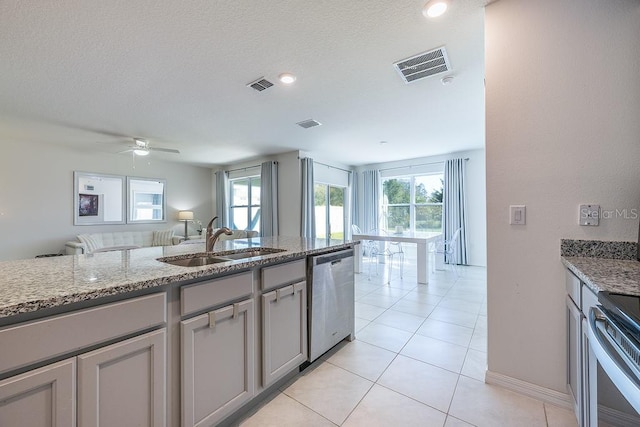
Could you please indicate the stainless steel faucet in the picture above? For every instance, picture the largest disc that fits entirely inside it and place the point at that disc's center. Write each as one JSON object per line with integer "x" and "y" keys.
{"x": 212, "y": 237}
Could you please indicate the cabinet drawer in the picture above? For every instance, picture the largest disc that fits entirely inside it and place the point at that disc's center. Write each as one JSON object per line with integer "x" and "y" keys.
{"x": 572, "y": 284}
{"x": 203, "y": 295}
{"x": 283, "y": 274}
{"x": 33, "y": 342}
{"x": 589, "y": 299}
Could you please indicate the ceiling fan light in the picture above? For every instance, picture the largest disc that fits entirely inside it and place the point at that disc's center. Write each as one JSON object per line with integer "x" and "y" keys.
{"x": 435, "y": 8}
{"x": 141, "y": 152}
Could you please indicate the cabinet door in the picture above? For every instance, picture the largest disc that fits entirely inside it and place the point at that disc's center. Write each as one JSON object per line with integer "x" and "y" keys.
{"x": 42, "y": 397}
{"x": 574, "y": 357}
{"x": 284, "y": 331}
{"x": 124, "y": 384}
{"x": 217, "y": 363}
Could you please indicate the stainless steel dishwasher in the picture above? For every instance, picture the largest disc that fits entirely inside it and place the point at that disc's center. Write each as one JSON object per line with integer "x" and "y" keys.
{"x": 331, "y": 301}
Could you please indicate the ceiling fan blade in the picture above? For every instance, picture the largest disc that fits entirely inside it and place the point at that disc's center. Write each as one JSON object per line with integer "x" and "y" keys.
{"x": 165, "y": 150}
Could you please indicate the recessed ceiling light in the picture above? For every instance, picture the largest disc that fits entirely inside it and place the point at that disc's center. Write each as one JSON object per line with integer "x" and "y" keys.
{"x": 383, "y": 142}
{"x": 287, "y": 78}
{"x": 435, "y": 8}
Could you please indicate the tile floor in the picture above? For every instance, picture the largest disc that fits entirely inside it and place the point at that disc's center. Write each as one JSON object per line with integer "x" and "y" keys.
{"x": 419, "y": 359}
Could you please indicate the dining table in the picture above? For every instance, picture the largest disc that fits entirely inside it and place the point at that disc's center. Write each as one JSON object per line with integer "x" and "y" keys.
{"x": 421, "y": 239}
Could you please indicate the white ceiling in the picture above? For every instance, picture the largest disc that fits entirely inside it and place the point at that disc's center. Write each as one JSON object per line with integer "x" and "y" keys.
{"x": 91, "y": 74}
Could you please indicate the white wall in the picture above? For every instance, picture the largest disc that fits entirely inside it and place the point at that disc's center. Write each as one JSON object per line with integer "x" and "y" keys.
{"x": 36, "y": 201}
{"x": 476, "y": 190}
{"x": 562, "y": 128}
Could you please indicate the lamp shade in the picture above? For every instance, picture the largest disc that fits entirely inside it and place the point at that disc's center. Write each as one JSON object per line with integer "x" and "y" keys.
{"x": 185, "y": 216}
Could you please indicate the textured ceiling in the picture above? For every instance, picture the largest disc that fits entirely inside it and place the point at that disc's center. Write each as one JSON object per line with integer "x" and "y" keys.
{"x": 92, "y": 74}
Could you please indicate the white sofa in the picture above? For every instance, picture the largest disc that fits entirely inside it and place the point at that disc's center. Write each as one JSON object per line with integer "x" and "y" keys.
{"x": 120, "y": 240}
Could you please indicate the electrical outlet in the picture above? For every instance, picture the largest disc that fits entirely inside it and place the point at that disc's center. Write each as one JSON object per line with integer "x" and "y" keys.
{"x": 589, "y": 215}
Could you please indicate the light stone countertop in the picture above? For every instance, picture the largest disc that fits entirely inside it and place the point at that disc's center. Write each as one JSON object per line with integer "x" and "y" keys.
{"x": 44, "y": 283}
{"x": 605, "y": 274}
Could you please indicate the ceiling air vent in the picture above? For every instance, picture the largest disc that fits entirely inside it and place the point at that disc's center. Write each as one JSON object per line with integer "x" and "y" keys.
{"x": 308, "y": 123}
{"x": 423, "y": 65}
{"x": 260, "y": 84}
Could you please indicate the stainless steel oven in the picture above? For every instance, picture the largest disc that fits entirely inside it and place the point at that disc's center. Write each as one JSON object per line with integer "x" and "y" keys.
{"x": 614, "y": 346}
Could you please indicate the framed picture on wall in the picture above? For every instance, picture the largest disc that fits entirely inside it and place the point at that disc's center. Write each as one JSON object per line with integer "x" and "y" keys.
{"x": 88, "y": 205}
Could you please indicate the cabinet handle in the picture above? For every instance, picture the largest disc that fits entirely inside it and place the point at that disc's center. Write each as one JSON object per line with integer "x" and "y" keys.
{"x": 212, "y": 319}
{"x": 236, "y": 310}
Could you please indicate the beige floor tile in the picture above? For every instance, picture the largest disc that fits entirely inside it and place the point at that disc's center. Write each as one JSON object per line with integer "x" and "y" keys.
{"x": 368, "y": 311}
{"x": 383, "y": 408}
{"x": 460, "y": 305}
{"x": 330, "y": 391}
{"x": 421, "y": 381}
{"x": 485, "y": 405}
{"x": 454, "y": 422}
{"x": 479, "y": 341}
{"x": 282, "y": 411}
{"x": 422, "y": 298}
{"x": 454, "y": 316}
{"x": 439, "y": 289}
{"x": 384, "y": 301}
{"x": 449, "y": 332}
{"x": 471, "y": 296}
{"x": 436, "y": 352}
{"x": 413, "y": 307}
{"x": 384, "y": 336}
{"x": 475, "y": 365}
{"x": 391, "y": 292}
{"x": 361, "y": 323}
{"x": 404, "y": 321}
{"x": 560, "y": 417}
{"x": 363, "y": 359}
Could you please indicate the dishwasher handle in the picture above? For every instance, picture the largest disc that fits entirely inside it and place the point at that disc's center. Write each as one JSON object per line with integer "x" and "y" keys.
{"x": 333, "y": 257}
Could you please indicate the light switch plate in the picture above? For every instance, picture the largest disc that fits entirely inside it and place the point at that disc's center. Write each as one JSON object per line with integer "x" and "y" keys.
{"x": 517, "y": 215}
{"x": 589, "y": 214}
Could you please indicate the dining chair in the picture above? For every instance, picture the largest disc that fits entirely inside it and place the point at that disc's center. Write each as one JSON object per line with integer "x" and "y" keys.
{"x": 448, "y": 249}
{"x": 369, "y": 250}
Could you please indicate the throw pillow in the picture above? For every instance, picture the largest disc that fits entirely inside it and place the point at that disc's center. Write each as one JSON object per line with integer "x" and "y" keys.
{"x": 162, "y": 238}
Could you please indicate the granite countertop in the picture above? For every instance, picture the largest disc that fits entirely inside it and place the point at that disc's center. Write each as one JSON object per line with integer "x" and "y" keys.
{"x": 603, "y": 266}
{"x": 44, "y": 283}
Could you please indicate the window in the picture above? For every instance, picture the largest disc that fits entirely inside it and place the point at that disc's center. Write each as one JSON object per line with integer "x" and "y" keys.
{"x": 330, "y": 212}
{"x": 413, "y": 202}
{"x": 244, "y": 206}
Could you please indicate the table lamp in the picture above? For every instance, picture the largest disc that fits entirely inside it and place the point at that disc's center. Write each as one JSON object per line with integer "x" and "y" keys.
{"x": 185, "y": 216}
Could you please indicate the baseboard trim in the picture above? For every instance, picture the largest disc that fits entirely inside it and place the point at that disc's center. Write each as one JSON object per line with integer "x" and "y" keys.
{"x": 544, "y": 394}
{"x": 617, "y": 418}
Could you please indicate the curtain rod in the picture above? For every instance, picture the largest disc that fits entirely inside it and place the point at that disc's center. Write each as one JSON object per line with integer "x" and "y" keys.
{"x": 414, "y": 166}
{"x": 243, "y": 169}
{"x": 333, "y": 167}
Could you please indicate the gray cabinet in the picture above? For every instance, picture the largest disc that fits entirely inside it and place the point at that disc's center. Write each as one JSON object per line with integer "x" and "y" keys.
{"x": 124, "y": 383}
{"x": 43, "y": 397}
{"x": 284, "y": 331}
{"x": 217, "y": 375}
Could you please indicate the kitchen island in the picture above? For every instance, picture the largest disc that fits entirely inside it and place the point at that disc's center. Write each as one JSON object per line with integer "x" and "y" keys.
{"x": 120, "y": 338}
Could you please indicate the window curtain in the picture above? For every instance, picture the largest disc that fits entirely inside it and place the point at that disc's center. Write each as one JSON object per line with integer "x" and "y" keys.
{"x": 355, "y": 209}
{"x": 269, "y": 199}
{"x": 222, "y": 198}
{"x": 454, "y": 206}
{"x": 371, "y": 200}
{"x": 308, "y": 200}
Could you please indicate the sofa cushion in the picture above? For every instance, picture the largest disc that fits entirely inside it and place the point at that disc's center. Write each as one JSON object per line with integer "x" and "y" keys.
{"x": 162, "y": 238}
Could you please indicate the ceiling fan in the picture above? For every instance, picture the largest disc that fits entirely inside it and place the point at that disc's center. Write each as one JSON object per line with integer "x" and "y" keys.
{"x": 142, "y": 148}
